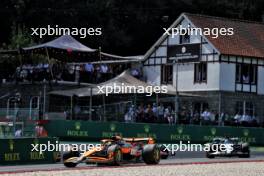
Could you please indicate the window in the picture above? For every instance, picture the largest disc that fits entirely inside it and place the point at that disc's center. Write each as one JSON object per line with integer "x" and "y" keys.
{"x": 246, "y": 74}
{"x": 166, "y": 74}
{"x": 245, "y": 107}
{"x": 200, "y": 72}
{"x": 200, "y": 107}
{"x": 35, "y": 102}
{"x": 249, "y": 108}
{"x": 253, "y": 74}
{"x": 238, "y": 73}
{"x": 184, "y": 38}
{"x": 240, "y": 107}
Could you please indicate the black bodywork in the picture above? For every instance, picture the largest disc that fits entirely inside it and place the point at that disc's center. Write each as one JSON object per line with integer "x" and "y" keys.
{"x": 231, "y": 146}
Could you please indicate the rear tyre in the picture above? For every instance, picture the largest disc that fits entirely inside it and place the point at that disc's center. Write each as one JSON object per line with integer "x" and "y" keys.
{"x": 209, "y": 155}
{"x": 246, "y": 153}
{"x": 67, "y": 155}
{"x": 151, "y": 154}
{"x": 164, "y": 156}
{"x": 70, "y": 164}
{"x": 100, "y": 164}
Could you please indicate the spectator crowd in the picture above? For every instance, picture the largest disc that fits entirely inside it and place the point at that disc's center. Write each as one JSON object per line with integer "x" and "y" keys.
{"x": 150, "y": 114}
{"x": 165, "y": 114}
{"x": 145, "y": 113}
{"x": 89, "y": 73}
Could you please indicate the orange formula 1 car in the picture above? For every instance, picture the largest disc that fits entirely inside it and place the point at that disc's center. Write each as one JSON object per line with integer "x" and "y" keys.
{"x": 116, "y": 151}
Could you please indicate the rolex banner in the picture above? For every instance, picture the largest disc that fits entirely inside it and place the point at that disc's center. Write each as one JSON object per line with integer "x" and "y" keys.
{"x": 16, "y": 151}
{"x": 94, "y": 131}
{"x": 184, "y": 52}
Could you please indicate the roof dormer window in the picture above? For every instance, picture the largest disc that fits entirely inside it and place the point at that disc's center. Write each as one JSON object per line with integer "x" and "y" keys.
{"x": 184, "y": 38}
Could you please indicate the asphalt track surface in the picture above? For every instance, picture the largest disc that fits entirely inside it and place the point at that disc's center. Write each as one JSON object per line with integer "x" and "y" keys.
{"x": 181, "y": 158}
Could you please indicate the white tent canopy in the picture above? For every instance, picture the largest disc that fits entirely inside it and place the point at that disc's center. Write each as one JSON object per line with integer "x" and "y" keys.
{"x": 124, "y": 79}
{"x": 64, "y": 42}
{"x": 68, "y": 43}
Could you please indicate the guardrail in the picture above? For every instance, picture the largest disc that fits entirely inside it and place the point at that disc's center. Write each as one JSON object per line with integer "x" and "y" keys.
{"x": 20, "y": 121}
{"x": 85, "y": 130}
{"x": 109, "y": 112}
{"x": 18, "y": 151}
{"x": 20, "y": 114}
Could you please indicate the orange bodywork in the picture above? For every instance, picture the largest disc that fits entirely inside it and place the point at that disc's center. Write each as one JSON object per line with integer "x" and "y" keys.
{"x": 127, "y": 149}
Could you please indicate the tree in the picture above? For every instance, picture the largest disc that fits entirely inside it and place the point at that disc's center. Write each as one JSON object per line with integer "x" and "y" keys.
{"x": 20, "y": 37}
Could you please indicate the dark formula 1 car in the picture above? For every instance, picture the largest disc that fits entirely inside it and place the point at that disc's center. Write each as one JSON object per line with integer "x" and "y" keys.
{"x": 228, "y": 147}
{"x": 165, "y": 153}
{"x": 116, "y": 151}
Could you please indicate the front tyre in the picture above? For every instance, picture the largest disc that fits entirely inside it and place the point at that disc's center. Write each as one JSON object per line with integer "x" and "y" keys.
{"x": 117, "y": 157}
{"x": 151, "y": 154}
{"x": 67, "y": 155}
{"x": 164, "y": 152}
{"x": 116, "y": 153}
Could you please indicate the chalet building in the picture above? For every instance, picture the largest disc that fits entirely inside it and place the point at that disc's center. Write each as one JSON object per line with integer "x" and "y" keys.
{"x": 222, "y": 74}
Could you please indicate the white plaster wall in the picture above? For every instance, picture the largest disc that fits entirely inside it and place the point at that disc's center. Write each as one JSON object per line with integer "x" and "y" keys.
{"x": 186, "y": 78}
{"x": 261, "y": 80}
{"x": 152, "y": 74}
{"x": 186, "y": 71}
{"x": 227, "y": 76}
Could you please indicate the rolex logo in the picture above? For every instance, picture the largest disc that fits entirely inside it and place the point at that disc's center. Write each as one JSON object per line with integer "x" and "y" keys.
{"x": 180, "y": 130}
{"x": 1, "y": 131}
{"x": 112, "y": 127}
{"x": 213, "y": 131}
{"x": 246, "y": 132}
{"x": 7, "y": 129}
{"x": 36, "y": 141}
{"x": 11, "y": 145}
{"x": 146, "y": 128}
{"x": 77, "y": 125}
{"x": 183, "y": 50}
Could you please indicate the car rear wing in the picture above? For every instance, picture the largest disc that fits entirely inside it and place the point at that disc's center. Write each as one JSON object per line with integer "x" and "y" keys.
{"x": 148, "y": 140}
